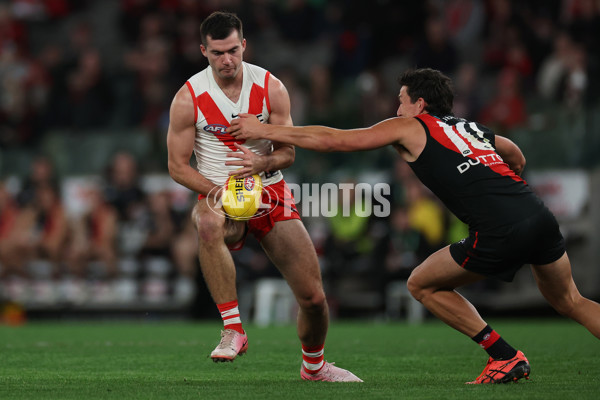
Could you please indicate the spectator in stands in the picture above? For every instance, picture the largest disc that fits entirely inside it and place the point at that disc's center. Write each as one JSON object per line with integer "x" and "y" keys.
{"x": 406, "y": 247}
{"x": 436, "y": 50}
{"x": 23, "y": 89}
{"x": 500, "y": 17}
{"x": 507, "y": 110}
{"x": 320, "y": 105}
{"x": 576, "y": 79}
{"x": 123, "y": 190}
{"x": 517, "y": 58}
{"x": 93, "y": 238}
{"x": 554, "y": 67}
{"x": 163, "y": 225}
{"x": 90, "y": 96}
{"x": 374, "y": 100}
{"x": 425, "y": 214}
{"x": 184, "y": 248}
{"x": 349, "y": 244}
{"x": 464, "y": 20}
{"x": 80, "y": 39}
{"x": 42, "y": 173}
{"x": 583, "y": 21}
{"x": 352, "y": 266}
{"x": 9, "y": 213}
{"x": 12, "y": 31}
{"x": 468, "y": 99}
{"x": 42, "y": 230}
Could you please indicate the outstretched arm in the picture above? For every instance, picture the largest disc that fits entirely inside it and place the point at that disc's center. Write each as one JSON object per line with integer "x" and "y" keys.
{"x": 511, "y": 154}
{"x": 322, "y": 138}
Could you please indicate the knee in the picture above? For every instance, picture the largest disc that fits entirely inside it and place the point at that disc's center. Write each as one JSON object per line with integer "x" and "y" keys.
{"x": 566, "y": 306}
{"x": 313, "y": 303}
{"x": 210, "y": 227}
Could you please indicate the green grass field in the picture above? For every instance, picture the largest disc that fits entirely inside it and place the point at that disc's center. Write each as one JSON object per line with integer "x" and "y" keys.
{"x": 169, "y": 360}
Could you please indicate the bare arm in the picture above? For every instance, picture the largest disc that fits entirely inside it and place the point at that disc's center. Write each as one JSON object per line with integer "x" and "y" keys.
{"x": 326, "y": 139}
{"x": 283, "y": 154}
{"x": 180, "y": 144}
{"x": 511, "y": 154}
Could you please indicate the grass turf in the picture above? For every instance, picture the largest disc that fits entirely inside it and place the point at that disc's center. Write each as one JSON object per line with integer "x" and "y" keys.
{"x": 167, "y": 360}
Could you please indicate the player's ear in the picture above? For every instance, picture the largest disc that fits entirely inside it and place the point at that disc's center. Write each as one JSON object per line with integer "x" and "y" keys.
{"x": 422, "y": 104}
{"x": 203, "y": 50}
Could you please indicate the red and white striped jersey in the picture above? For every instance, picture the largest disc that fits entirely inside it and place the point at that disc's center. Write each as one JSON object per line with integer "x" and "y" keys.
{"x": 213, "y": 112}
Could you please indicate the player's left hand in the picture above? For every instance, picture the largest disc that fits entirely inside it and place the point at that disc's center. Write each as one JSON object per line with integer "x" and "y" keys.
{"x": 247, "y": 126}
{"x": 250, "y": 162}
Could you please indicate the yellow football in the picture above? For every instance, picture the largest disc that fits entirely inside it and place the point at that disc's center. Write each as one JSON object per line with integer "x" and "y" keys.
{"x": 241, "y": 197}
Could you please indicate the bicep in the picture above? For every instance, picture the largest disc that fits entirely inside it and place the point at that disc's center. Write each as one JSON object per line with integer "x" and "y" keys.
{"x": 507, "y": 149}
{"x": 510, "y": 153}
{"x": 280, "y": 109}
{"x": 280, "y": 103}
{"x": 182, "y": 131}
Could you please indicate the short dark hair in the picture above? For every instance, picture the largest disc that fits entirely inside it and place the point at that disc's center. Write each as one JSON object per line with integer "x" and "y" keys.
{"x": 433, "y": 86}
{"x": 219, "y": 25}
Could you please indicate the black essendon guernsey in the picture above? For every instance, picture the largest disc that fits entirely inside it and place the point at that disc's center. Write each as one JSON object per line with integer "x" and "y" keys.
{"x": 460, "y": 165}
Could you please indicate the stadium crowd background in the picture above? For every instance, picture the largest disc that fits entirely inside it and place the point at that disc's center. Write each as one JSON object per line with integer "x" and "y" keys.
{"x": 89, "y": 218}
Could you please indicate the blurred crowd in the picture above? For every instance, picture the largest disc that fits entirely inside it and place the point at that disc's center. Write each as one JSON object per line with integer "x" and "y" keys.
{"x": 88, "y": 64}
{"x": 120, "y": 244}
{"x": 78, "y": 66}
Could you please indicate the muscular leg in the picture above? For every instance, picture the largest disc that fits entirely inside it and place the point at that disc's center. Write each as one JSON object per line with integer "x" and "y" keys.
{"x": 433, "y": 283}
{"x": 556, "y": 284}
{"x": 216, "y": 263}
{"x": 291, "y": 250}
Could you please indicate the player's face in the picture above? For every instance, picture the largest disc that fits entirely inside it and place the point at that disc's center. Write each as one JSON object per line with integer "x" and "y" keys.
{"x": 407, "y": 108}
{"x": 225, "y": 55}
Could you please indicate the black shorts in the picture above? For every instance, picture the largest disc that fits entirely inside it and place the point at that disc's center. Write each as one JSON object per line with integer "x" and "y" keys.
{"x": 499, "y": 253}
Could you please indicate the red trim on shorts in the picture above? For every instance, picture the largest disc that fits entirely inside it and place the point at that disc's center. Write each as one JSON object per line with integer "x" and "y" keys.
{"x": 474, "y": 244}
{"x": 189, "y": 86}
{"x": 280, "y": 198}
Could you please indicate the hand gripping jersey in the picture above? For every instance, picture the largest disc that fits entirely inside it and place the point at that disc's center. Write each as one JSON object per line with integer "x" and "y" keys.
{"x": 214, "y": 111}
{"x": 460, "y": 165}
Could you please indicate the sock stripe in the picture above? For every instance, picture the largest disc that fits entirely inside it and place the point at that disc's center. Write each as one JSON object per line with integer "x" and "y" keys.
{"x": 313, "y": 358}
{"x": 315, "y": 354}
{"x": 230, "y": 314}
{"x": 489, "y": 339}
{"x": 234, "y": 312}
{"x": 227, "y": 306}
{"x": 312, "y": 349}
{"x": 229, "y": 321}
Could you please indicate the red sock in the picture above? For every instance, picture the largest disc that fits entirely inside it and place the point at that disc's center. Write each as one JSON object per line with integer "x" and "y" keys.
{"x": 312, "y": 358}
{"x": 231, "y": 316}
